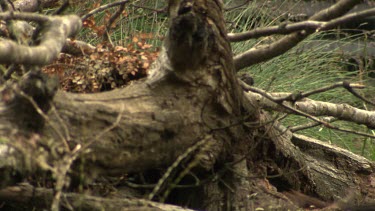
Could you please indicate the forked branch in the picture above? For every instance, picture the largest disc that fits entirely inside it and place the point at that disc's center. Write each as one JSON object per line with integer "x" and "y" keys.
{"x": 254, "y": 56}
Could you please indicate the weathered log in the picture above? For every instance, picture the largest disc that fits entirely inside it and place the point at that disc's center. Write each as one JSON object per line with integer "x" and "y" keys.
{"x": 30, "y": 196}
{"x": 189, "y": 115}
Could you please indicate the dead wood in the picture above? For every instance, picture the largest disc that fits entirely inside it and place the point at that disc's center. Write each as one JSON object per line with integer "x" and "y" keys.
{"x": 188, "y": 119}
{"x": 30, "y": 196}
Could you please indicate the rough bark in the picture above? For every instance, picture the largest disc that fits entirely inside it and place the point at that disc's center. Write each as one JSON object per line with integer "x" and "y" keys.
{"x": 188, "y": 116}
{"x": 30, "y": 196}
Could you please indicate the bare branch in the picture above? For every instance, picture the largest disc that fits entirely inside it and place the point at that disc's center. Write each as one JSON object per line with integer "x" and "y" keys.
{"x": 161, "y": 10}
{"x": 311, "y": 124}
{"x": 254, "y": 56}
{"x": 347, "y": 19}
{"x": 237, "y": 6}
{"x": 348, "y": 86}
{"x": 175, "y": 164}
{"x": 62, "y": 8}
{"x": 284, "y": 105}
{"x": 299, "y": 96}
{"x": 281, "y": 29}
{"x": 314, "y": 108}
{"x": 305, "y": 25}
{"x": 102, "y": 8}
{"x": 77, "y": 47}
{"x": 112, "y": 20}
{"x": 56, "y": 31}
{"x": 356, "y": 94}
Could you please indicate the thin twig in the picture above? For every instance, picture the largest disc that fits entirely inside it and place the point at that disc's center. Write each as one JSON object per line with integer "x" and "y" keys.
{"x": 175, "y": 164}
{"x": 356, "y": 94}
{"x": 293, "y": 110}
{"x": 271, "y": 30}
{"x": 164, "y": 9}
{"x": 310, "y": 125}
{"x": 9, "y": 72}
{"x": 62, "y": 8}
{"x": 294, "y": 97}
{"x": 102, "y": 8}
{"x": 60, "y": 172}
{"x": 112, "y": 20}
{"x": 62, "y": 169}
{"x": 348, "y": 86}
{"x": 237, "y": 6}
{"x": 106, "y": 130}
{"x": 58, "y": 117}
{"x": 45, "y": 117}
{"x": 301, "y": 113}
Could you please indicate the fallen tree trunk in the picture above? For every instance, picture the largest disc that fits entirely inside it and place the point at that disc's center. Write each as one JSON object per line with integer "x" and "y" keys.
{"x": 187, "y": 124}
{"x": 30, "y": 196}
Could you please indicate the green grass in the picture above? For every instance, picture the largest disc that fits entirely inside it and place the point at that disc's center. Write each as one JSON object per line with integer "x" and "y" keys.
{"x": 293, "y": 71}
{"x": 4, "y": 140}
{"x": 133, "y": 23}
{"x": 304, "y": 71}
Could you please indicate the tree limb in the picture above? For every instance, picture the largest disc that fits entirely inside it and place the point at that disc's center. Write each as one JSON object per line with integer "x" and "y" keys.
{"x": 102, "y": 8}
{"x": 254, "y": 56}
{"x": 56, "y": 30}
{"x": 318, "y": 108}
{"x": 304, "y": 25}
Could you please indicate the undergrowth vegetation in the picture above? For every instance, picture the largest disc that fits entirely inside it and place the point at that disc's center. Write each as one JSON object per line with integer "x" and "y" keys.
{"x": 126, "y": 49}
{"x": 316, "y": 62}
